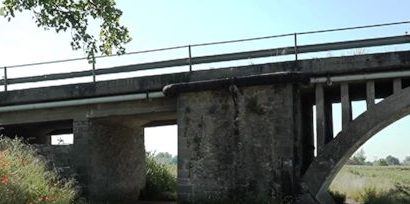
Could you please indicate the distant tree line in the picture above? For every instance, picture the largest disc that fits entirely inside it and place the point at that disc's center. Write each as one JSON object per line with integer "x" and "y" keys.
{"x": 165, "y": 158}
{"x": 360, "y": 159}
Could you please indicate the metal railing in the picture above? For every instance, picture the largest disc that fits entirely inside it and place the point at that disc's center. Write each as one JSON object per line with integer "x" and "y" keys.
{"x": 190, "y": 61}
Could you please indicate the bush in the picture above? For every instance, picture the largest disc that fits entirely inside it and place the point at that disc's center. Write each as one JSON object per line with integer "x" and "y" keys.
{"x": 399, "y": 194}
{"x": 339, "y": 197}
{"x": 24, "y": 177}
{"x": 160, "y": 183}
{"x": 381, "y": 162}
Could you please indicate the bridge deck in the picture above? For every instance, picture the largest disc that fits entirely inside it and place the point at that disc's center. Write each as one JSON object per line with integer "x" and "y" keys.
{"x": 359, "y": 64}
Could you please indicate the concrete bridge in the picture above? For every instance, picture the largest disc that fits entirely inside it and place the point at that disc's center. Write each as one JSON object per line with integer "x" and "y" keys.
{"x": 243, "y": 132}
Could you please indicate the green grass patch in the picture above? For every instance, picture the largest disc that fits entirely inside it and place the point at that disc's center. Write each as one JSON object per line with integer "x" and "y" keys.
{"x": 161, "y": 183}
{"x": 24, "y": 177}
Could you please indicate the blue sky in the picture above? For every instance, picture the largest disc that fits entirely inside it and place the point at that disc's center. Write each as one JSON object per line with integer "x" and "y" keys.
{"x": 164, "y": 23}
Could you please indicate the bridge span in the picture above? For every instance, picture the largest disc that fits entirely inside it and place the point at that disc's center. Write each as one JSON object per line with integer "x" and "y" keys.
{"x": 243, "y": 132}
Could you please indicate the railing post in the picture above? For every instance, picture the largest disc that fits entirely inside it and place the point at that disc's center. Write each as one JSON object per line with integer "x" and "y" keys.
{"x": 93, "y": 71}
{"x": 190, "y": 58}
{"x": 5, "y": 78}
{"x": 296, "y": 46}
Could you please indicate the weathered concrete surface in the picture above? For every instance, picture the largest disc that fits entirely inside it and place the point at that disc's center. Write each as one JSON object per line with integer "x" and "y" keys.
{"x": 110, "y": 159}
{"x": 327, "y": 66}
{"x": 149, "y": 110}
{"x": 58, "y": 157}
{"x": 334, "y": 155}
{"x": 251, "y": 141}
{"x": 237, "y": 144}
{"x": 108, "y": 151}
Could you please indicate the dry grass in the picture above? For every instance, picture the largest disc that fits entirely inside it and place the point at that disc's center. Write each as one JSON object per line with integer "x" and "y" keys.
{"x": 24, "y": 177}
{"x": 358, "y": 182}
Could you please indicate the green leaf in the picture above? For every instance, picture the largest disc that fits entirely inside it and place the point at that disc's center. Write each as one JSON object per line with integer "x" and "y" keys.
{"x": 63, "y": 15}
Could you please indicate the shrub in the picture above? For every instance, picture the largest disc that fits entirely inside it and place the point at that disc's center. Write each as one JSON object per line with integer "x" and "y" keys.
{"x": 399, "y": 194}
{"x": 339, "y": 197}
{"x": 160, "y": 183}
{"x": 24, "y": 177}
{"x": 381, "y": 162}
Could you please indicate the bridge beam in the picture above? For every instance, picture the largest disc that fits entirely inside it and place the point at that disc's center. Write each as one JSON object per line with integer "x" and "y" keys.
{"x": 109, "y": 158}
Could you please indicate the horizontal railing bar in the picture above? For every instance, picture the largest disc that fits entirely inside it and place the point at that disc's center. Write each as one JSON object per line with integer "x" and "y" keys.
{"x": 221, "y": 58}
{"x": 353, "y": 28}
{"x": 146, "y": 51}
{"x": 215, "y": 43}
{"x": 48, "y": 77}
{"x": 46, "y": 62}
{"x": 301, "y": 33}
{"x": 242, "y": 40}
{"x": 97, "y": 57}
{"x": 393, "y": 40}
{"x": 302, "y": 49}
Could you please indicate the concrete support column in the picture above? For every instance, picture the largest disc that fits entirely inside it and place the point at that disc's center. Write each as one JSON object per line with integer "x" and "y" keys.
{"x": 329, "y": 120}
{"x": 80, "y": 154}
{"x": 237, "y": 145}
{"x": 397, "y": 86}
{"x": 346, "y": 105}
{"x": 110, "y": 159}
{"x": 370, "y": 94}
{"x": 308, "y": 144}
{"x": 320, "y": 117}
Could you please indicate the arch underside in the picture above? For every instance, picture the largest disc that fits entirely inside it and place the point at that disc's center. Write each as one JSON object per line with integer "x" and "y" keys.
{"x": 334, "y": 155}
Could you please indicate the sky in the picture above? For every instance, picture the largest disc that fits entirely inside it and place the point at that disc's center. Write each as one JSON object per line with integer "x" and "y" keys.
{"x": 166, "y": 23}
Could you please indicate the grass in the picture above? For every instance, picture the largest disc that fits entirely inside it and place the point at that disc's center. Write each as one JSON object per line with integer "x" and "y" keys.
{"x": 24, "y": 177}
{"x": 172, "y": 169}
{"x": 161, "y": 183}
{"x": 374, "y": 184}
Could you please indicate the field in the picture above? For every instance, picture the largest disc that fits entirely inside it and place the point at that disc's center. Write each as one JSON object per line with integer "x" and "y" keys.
{"x": 389, "y": 184}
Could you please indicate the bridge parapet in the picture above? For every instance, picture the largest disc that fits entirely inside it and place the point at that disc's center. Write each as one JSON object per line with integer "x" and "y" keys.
{"x": 294, "y": 49}
{"x": 362, "y": 64}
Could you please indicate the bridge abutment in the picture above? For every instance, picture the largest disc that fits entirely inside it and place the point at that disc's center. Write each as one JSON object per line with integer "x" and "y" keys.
{"x": 109, "y": 157}
{"x": 237, "y": 144}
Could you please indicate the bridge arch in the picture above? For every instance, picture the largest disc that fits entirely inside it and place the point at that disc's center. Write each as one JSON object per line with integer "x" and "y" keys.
{"x": 334, "y": 155}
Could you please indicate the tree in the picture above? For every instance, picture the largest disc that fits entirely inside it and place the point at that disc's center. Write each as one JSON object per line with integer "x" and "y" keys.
{"x": 74, "y": 15}
{"x": 358, "y": 159}
{"x": 391, "y": 161}
{"x": 381, "y": 162}
{"x": 163, "y": 158}
{"x": 174, "y": 160}
{"x": 406, "y": 161}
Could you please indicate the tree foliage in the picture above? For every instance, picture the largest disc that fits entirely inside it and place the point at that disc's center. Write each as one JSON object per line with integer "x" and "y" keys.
{"x": 75, "y": 15}
{"x": 392, "y": 161}
{"x": 358, "y": 159}
{"x": 381, "y": 162}
{"x": 166, "y": 158}
{"x": 406, "y": 161}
